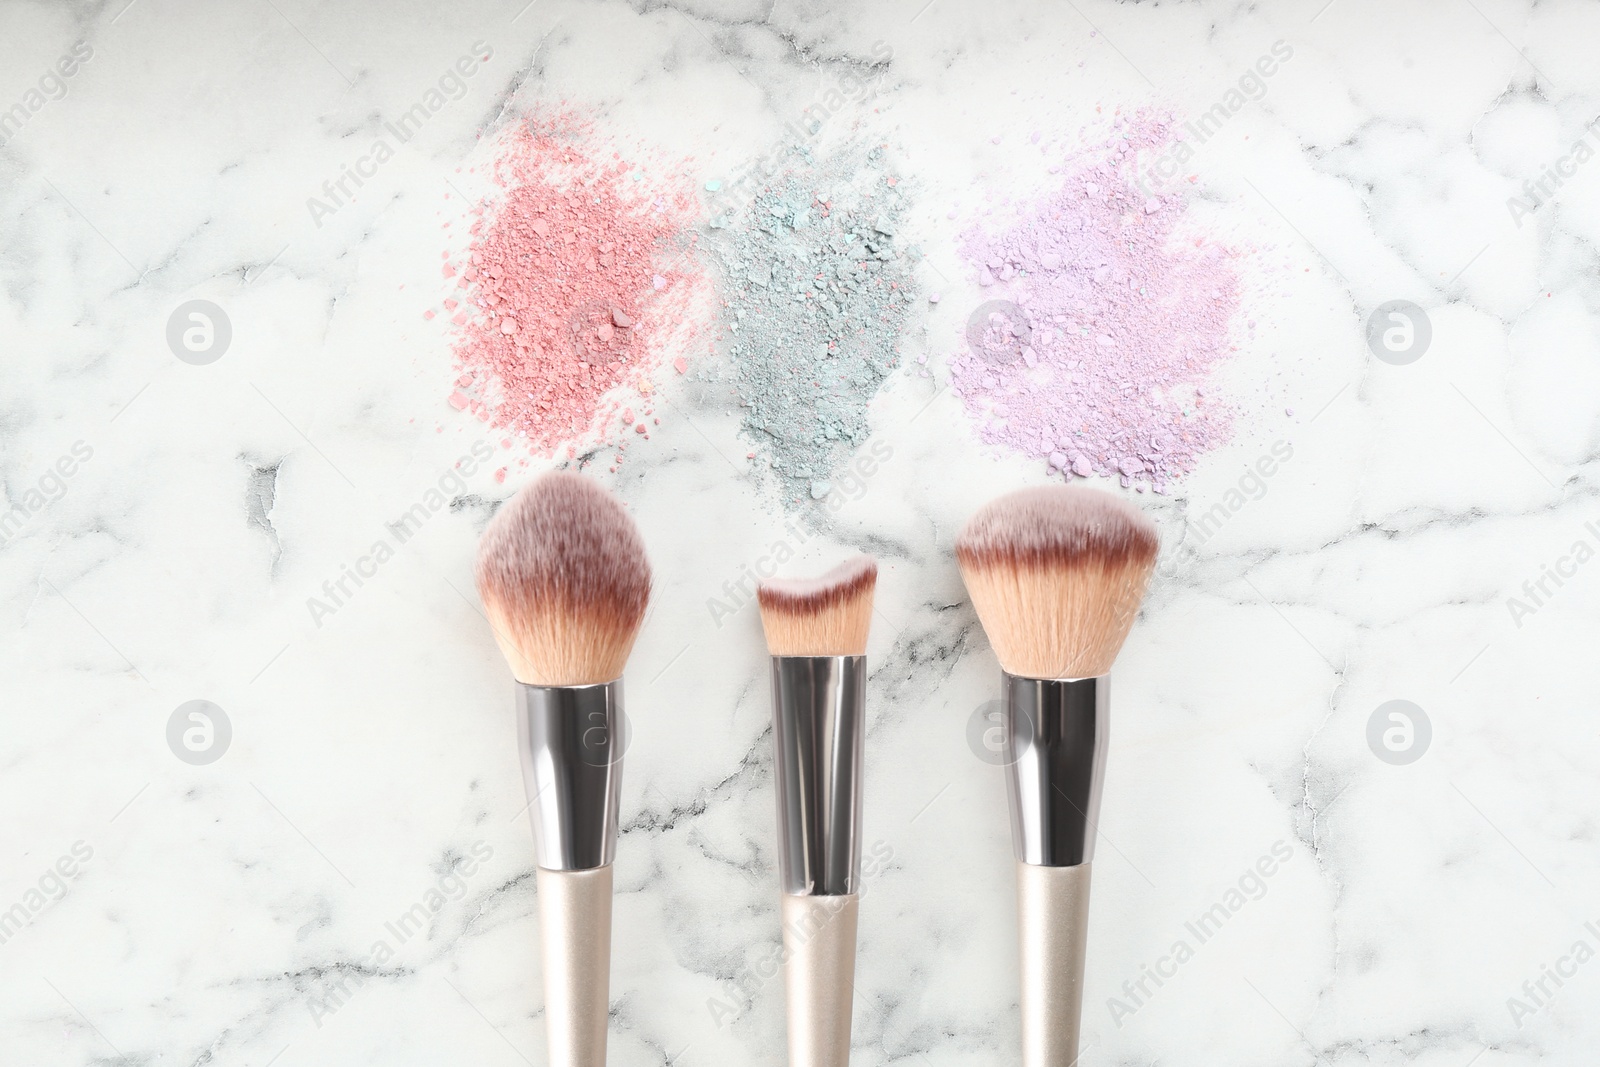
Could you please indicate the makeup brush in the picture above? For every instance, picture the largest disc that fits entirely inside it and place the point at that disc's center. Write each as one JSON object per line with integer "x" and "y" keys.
{"x": 564, "y": 580}
{"x": 817, "y": 634}
{"x": 1056, "y": 575}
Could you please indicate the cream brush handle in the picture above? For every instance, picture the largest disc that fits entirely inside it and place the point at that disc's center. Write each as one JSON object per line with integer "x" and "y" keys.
{"x": 1053, "y": 919}
{"x": 819, "y": 974}
{"x": 575, "y": 928}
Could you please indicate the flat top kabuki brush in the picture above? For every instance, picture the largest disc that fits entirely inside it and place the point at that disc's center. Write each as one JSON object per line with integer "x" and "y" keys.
{"x": 564, "y": 581}
{"x": 817, "y": 634}
{"x": 1056, "y": 575}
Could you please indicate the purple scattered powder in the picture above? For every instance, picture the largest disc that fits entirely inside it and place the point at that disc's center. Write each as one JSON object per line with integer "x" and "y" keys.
{"x": 1101, "y": 324}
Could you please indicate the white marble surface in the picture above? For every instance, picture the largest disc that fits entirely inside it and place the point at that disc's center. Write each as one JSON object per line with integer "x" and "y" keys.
{"x": 209, "y": 907}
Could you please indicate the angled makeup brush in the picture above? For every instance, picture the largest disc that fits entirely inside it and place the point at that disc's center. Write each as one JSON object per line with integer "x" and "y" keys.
{"x": 817, "y": 635}
{"x": 1056, "y": 575}
{"x": 564, "y": 581}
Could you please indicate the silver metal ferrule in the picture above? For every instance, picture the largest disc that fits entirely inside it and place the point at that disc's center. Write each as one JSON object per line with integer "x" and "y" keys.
{"x": 571, "y": 739}
{"x": 1056, "y": 733}
{"x": 818, "y": 722}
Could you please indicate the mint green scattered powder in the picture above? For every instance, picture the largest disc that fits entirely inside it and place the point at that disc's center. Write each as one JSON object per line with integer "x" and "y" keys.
{"x": 818, "y": 286}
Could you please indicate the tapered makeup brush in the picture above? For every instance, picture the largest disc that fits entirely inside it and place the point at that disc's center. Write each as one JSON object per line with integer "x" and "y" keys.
{"x": 1056, "y": 575}
{"x": 564, "y": 581}
{"x": 817, "y": 634}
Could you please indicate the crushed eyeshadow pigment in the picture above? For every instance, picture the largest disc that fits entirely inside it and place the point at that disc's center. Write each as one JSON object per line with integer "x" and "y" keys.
{"x": 817, "y": 287}
{"x": 576, "y": 281}
{"x": 1102, "y": 324}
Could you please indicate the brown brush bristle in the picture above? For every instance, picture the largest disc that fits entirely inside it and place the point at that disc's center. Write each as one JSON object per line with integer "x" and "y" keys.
{"x": 564, "y": 580}
{"x": 1056, "y": 575}
{"x": 825, "y": 616}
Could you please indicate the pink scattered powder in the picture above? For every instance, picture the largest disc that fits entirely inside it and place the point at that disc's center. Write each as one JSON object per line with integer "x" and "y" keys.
{"x": 1101, "y": 324}
{"x": 577, "y": 282}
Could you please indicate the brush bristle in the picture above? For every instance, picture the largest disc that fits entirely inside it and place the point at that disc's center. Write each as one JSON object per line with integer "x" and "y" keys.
{"x": 1056, "y": 575}
{"x": 564, "y": 580}
{"x": 825, "y": 616}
